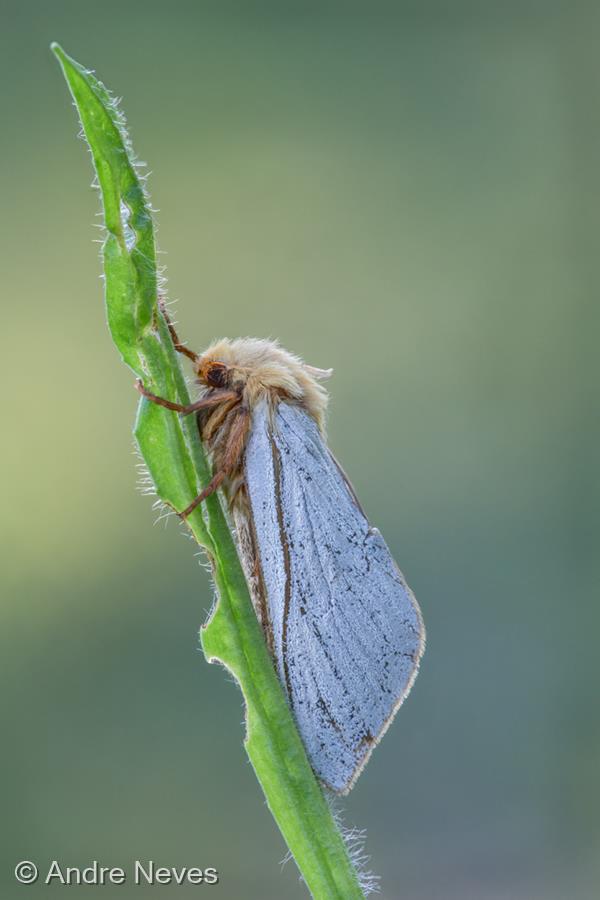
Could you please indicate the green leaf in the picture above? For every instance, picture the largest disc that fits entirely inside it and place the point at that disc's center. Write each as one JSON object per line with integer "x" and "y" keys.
{"x": 177, "y": 464}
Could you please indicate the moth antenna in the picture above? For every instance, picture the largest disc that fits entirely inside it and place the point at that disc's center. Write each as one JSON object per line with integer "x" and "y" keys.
{"x": 318, "y": 373}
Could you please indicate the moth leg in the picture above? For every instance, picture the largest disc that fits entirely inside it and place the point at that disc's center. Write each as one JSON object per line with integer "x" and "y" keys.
{"x": 181, "y": 348}
{"x": 236, "y": 441}
{"x": 210, "y": 488}
{"x": 205, "y": 403}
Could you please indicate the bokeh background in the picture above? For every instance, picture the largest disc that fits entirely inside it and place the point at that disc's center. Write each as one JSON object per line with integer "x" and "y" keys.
{"x": 408, "y": 193}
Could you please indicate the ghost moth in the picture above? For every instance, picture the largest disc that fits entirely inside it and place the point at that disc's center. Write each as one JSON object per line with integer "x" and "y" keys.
{"x": 344, "y": 630}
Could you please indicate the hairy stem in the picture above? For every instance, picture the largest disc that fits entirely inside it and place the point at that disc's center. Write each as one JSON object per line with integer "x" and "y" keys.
{"x": 177, "y": 464}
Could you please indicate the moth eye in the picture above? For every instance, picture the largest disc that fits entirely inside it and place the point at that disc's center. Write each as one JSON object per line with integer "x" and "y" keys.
{"x": 217, "y": 375}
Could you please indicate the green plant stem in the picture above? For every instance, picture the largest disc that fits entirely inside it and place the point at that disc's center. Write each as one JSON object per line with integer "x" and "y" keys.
{"x": 173, "y": 453}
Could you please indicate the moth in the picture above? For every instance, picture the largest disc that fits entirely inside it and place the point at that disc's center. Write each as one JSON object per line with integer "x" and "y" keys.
{"x": 343, "y": 627}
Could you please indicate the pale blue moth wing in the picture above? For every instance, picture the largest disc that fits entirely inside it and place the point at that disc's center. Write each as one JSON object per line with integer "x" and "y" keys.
{"x": 347, "y": 631}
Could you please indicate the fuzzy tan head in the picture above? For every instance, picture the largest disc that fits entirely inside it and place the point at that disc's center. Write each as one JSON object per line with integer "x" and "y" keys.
{"x": 255, "y": 368}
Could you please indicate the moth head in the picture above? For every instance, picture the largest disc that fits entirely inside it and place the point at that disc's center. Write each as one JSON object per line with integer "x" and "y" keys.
{"x": 253, "y": 367}
{"x": 224, "y": 365}
{"x": 213, "y": 373}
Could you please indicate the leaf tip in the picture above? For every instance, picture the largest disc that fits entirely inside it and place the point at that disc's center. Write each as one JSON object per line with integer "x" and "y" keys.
{"x": 64, "y": 59}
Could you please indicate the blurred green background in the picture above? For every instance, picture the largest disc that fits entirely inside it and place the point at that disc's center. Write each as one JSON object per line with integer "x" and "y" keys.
{"x": 408, "y": 193}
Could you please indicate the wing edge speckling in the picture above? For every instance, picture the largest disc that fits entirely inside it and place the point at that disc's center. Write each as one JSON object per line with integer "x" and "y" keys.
{"x": 402, "y": 697}
{"x": 268, "y": 422}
